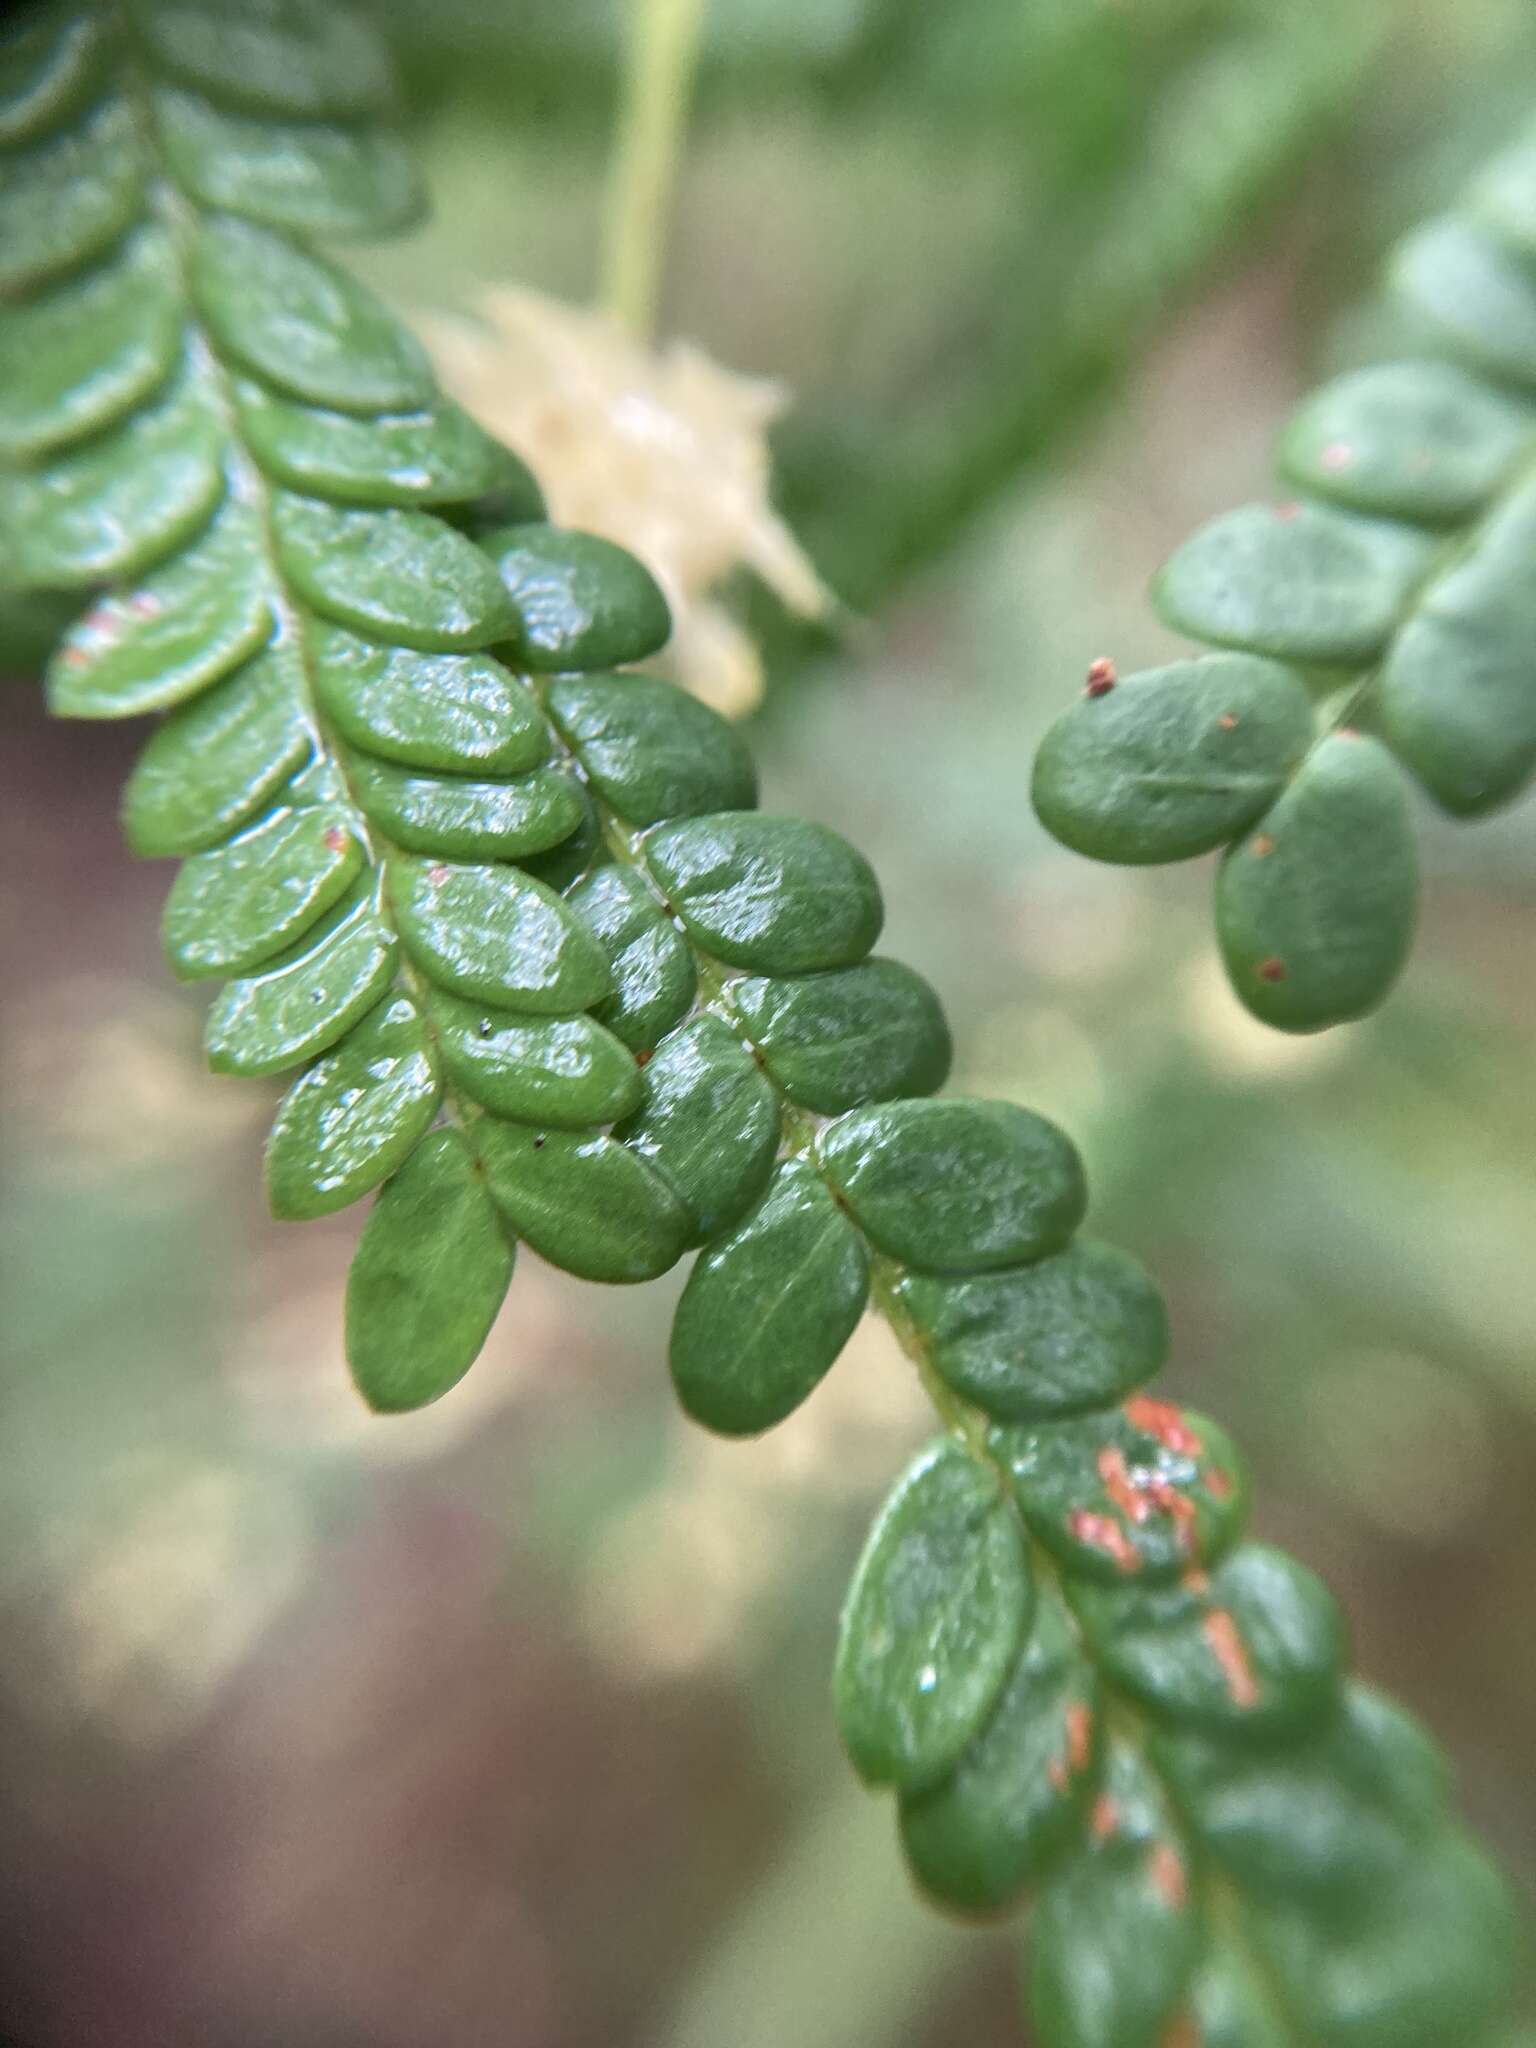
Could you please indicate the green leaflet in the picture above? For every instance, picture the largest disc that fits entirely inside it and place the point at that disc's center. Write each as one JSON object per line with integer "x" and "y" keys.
{"x": 1477, "y": 297}
{"x": 431, "y": 1270}
{"x": 1316, "y": 909}
{"x": 355, "y": 1117}
{"x": 302, "y": 1002}
{"x": 496, "y": 936}
{"x": 564, "y": 865}
{"x": 76, "y": 358}
{"x": 1014, "y": 1800}
{"x": 404, "y": 577}
{"x": 434, "y": 457}
{"x": 709, "y": 1125}
{"x": 1434, "y": 1961}
{"x": 767, "y": 1310}
{"x": 959, "y": 1185}
{"x": 235, "y": 906}
{"x": 1255, "y": 1648}
{"x": 1321, "y": 1824}
{"x": 1142, "y": 1492}
{"x": 190, "y": 622}
{"x": 1503, "y": 195}
{"x": 465, "y": 819}
{"x": 777, "y": 894}
{"x": 1419, "y": 441}
{"x": 46, "y": 69}
{"x": 850, "y": 1036}
{"x": 1071, "y": 1332}
{"x": 1456, "y": 700}
{"x": 565, "y": 1072}
{"x": 582, "y": 1201}
{"x": 313, "y": 179}
{"x": 581, "y": 602}
{"x": 1229, "y": 2003}
{"x": 1297, "y": 581}
{"x": 210, "y": 766}
{"x": 460, "y": 713}
{"x": 302, "y": 325}
{"x": 652, "y": 969}
{"x": 68, "y": 196}
{"x": 937, "y": 1614}
{"x": 278, "y": 56}
{"x": 651, "y": 750}
{"x": 114, "y": 506}
{"x": 1173, "y": 762}
{"x": 1116, "y": 1937}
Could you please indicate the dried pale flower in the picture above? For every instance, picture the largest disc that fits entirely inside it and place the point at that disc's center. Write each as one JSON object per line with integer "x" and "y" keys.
{"x": 662, "y": 450}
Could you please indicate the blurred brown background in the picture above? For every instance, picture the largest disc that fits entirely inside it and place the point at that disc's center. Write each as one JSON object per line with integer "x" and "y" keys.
{"x": 506, "y": 1724}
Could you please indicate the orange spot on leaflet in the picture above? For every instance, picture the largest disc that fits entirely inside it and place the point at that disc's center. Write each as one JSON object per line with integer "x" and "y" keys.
{"x": 1079, "y": 1724}
{"x": 1102, "y": 676}
{"x": 1227, "y": 722}
{"x": 1162, "y": 1420}
{"x": 1120, "y": 1487}
{"x": 1184, "y": 2032}
{"x": 1218, "y": 1484}
{"x": 1056, "y": 1771}
{"x": 1231, "y": 1653}
{"x": 1263, "y": 846}
{"x": 1106, "y": 1818}
{"x": 336, "y": 837}
{"x": 1337, "y": 455}
{"x": 75, "y": 657}
{"x": 1272, "y": 969}
{"x": 1103, "y": 1532}
{"x": 1166, "y": 1869}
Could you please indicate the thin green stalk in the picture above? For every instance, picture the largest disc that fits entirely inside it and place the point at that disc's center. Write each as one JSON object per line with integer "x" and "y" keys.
{"x": 663, "y": 52}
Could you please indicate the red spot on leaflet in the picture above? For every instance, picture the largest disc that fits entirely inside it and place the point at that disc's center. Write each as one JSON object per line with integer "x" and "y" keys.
{"x": 642, "y": 1059}
{"x": 1195, "y": 1581}
{"x": 1056, "y": 1771}
{"x": 1166, "y": 1870}
{"x": 1262, "y": 846}
{"x": 1106, "y": 1818}
{"x": 145, "y": 605}
{"x": 1177, "y": 1506}
{"x": 1231, "y": 1653}
{"x": 1227, "y": 722}
{"x": 1272, "y": 969}
{"x": 1287, "y": 510}
{"x": 1218, "y": 1484}
{"x": 336, "y": 837}
{"x": 1079, "y": 1736}
{"x": 1160, "y": 1419}
{"x": 1336, "y": 456}
{"x": 1103, "y": 1532}
{"x": 1347, "y": 732}
{"x": 1102, "y": 677}
{"x": 437, "y": 875}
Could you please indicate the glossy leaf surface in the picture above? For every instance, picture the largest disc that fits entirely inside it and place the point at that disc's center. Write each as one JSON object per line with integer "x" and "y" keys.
{"x": 958, "y": 1185}
{"x": 767, "y": 1309}
{"x": 937, "y": 1614}
{"x": 1070, "y": 1332}
{"x": 431, "y": 1271}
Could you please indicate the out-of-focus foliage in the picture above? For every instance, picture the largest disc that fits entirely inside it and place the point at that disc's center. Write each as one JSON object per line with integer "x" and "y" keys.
{"x": 514, "y": 1728}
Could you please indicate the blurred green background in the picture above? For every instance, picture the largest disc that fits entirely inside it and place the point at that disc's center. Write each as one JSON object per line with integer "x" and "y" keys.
{"x": 506, "y": 1723}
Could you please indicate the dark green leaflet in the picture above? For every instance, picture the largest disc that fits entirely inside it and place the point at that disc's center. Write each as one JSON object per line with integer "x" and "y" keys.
{"x": 483, "y": 896}
{"x": 1398, "y": 590}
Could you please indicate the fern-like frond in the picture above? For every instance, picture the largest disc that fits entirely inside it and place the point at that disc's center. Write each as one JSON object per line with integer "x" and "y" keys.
{"x": 547, "y": 975}
{"x": 1382, "y": 620}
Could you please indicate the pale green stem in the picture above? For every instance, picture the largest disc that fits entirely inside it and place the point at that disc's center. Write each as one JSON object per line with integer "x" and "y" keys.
{"x": 663, "y": 52}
